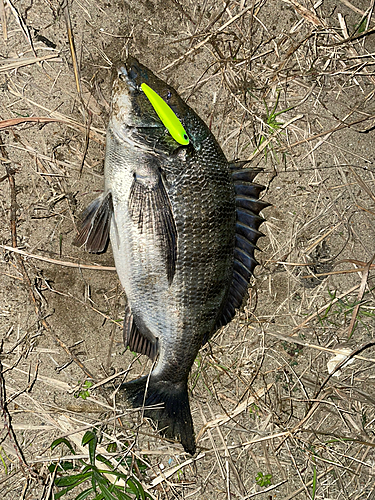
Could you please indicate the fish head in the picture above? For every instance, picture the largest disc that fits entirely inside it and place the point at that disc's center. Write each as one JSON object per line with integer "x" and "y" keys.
{"x": 133, "y": 115}
{"x": 130, "y": 106}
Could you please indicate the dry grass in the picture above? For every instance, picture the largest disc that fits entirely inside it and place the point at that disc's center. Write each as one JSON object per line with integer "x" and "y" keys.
{"x": 286, "y": 84}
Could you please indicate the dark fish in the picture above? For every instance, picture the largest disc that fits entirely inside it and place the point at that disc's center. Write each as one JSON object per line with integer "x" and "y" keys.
{"x": 183, "y": 224}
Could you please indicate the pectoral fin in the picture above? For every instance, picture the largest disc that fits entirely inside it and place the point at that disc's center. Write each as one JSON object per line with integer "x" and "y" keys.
{"x": 151, "y": 211}
{"x": 95, "y": 224}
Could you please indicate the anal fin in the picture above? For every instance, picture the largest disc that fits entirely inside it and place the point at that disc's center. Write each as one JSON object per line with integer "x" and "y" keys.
{"x": 143, "y": 342}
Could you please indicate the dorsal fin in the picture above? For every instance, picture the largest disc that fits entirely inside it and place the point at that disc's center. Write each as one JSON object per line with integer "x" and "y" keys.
{"x": 248, "y": 189}
{"x": 252, "y": 204}
{"x": 248, "y": 222}
{"x": 243, "y": 174}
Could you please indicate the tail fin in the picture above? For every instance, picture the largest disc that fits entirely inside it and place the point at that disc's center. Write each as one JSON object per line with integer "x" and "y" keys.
{"x": 173, "y": 418}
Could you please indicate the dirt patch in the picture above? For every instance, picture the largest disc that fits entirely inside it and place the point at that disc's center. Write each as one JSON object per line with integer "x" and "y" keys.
{"x": 288, "y": 85}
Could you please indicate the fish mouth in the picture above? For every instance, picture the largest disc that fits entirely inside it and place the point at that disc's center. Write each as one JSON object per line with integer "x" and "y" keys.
{"x": 128, "y": 75}
{"x": 131, "y": 72}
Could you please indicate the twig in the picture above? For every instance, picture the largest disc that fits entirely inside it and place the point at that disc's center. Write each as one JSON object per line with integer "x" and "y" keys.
{"x": 19, "y": 63}
{"x": 306, "y": 13}
{"x": 3, "y": 20}
{"x": 321, "y": 238}
{"x": 12, "y": 122}
{"x": 58, "y": 262}
{"x": 344, "y": 271}
{"x": 265, "y": 490}
{"x": 272, "y": 137}
{"x": 95, "y": 133}
{"x": 352, "y": 37}
{"x": 65, "y": 8}
{"x": 26, "y": 469}
{"x": 350, "y": 48}
{"x": 297, "y": 340}
{"x": 355, "y": 352}
{"x": 321, "y": 309}
{"x": 359, "y": 296}
{"x": 362, "y": 184}
{"x": 87, "y": 140}
{"x": 330, "y": 131}
{"x": 352, "y": 7}
{"x": 309, "y": 483}
{"x": 22, "y": 24}
{"x": 222, "y": 419}
{"x": 168, "y": 473}
{"x": 203, "y": 42}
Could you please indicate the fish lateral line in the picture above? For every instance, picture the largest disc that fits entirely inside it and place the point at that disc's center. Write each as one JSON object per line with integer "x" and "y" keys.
{"x": 166, "y": 115}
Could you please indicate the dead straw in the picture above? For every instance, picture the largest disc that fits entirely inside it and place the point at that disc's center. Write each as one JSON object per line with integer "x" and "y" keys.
{"x": 360, "y": 296}
{"x": 58, "y": 262}
{"x": 3, "y": 20}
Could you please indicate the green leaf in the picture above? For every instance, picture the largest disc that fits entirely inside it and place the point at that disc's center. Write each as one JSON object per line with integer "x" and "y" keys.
{"x": 84, "y": 494}
{"x": 361, "y": 27}
{"x": 61, "y": 493}
{"x": 141, "y": 465}
{"x": 112, "y": 447}
{"x": 314, "y": 481}
{"x": 115, "y": 473}
{"x": 3, "y": 461}
{"x": 100, "y": 479}
{"x": 135, "y": 487}
{"x": 71, "y": 481}
{"x": 62, "y": 441}
{"x": 121, "y": 495}
{"x": 132, "y": 486}
{"x": 104, "y": 460}
{"x": 94, "y": 479}
{"x": 61, "y": 466}
{"x": 106, "y": 493}
{"x": 87, "y": 437}
{"x": 88, "y": 467}
{"x": 99, "y": 497}
{"x": 91, "y": 439}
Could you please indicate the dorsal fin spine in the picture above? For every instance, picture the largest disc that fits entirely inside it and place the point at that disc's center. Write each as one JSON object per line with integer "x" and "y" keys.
{"x": 248, "y": 221}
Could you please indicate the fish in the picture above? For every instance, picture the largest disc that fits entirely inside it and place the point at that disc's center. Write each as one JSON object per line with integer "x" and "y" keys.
{"x": 183, "y": 223}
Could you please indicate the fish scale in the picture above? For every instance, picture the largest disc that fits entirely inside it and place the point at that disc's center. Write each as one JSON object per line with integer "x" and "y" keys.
{"x": 183, "y": 225}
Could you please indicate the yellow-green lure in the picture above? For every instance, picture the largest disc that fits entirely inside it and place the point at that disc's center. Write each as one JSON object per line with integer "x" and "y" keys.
{"x": 166, "y": 115}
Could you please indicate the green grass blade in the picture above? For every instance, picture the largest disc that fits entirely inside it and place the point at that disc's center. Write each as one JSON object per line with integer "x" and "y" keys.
{"x": 63, "y": 441}
{"x": 71, "y": 481}
{"x": 84, "y": 494}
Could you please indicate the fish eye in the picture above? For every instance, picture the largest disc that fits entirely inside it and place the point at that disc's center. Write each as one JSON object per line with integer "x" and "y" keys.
{"x": 133, "y": 74}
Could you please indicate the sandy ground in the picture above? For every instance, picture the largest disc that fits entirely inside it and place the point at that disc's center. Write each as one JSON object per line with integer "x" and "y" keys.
{"x": 288, "y": 85}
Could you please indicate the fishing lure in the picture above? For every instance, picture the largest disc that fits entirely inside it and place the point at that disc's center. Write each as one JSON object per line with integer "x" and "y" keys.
{"x": 166, "y": 115}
